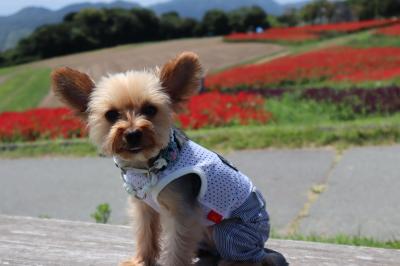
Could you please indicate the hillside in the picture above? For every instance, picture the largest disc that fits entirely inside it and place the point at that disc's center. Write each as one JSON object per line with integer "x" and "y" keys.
{"x": 214, "y": 53}
{"x": 196, "y": 8}
{"x": 22, "y": 23}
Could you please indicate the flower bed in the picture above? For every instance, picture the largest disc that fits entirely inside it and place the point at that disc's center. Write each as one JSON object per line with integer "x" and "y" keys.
{"x": 309, "y": 32}
{"x": 348, "y": 27}
{"x": 216, "y": 109}
{"x": 389, "y": 31}
{"x": 40, "y": 123}
{"x": 206, "y": 110}
{"x": 334, "y": 64}
{"x": 379, "y": 100}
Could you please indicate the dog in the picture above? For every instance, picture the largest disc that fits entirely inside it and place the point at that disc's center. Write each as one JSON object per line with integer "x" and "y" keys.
{"x": 189, "y": 202}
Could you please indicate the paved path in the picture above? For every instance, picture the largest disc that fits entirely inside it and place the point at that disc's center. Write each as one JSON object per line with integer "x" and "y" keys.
{"x": 310, "y": 191}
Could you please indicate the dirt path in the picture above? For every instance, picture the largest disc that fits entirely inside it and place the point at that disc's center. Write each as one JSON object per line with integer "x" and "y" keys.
{"x": 213, "y": 52}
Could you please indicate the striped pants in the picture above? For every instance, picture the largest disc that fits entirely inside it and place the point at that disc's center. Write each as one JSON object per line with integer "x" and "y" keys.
{"x": 242, "y": 237}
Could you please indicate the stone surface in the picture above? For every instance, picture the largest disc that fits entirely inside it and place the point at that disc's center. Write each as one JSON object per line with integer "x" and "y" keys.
{"x": 284, "y": 177}
{"x": 64, "y": 188}
{"x": 47, "y": 242}
{"x": 362, "y": 196}
{"x": 71, "y": 188}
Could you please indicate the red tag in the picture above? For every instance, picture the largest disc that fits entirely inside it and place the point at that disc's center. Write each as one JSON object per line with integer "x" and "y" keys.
{"x": 214, "y": 217}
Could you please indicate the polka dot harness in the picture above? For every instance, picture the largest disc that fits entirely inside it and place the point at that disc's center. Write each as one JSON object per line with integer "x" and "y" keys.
{"x": 223, "y": 187}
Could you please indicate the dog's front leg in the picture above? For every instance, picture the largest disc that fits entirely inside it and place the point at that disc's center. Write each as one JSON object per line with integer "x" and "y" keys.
{"x": 148, "y": 230}
{"x": 181, "y": 215}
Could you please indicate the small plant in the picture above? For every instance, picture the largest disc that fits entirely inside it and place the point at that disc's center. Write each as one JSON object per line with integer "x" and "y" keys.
{"x": 102, "y": 213}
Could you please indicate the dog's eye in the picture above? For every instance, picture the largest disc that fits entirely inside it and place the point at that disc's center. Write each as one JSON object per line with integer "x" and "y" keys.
{"x": 149, "y": 110}
{"x": 112, "y": 116}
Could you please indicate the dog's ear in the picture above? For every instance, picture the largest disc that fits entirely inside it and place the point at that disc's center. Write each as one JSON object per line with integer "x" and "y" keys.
{"x": 73, "y": 88}
{"x": 181, "y": 78}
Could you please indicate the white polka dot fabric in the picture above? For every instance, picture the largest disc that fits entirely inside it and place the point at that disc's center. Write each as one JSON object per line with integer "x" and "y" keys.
{"x": 223, "y": 190}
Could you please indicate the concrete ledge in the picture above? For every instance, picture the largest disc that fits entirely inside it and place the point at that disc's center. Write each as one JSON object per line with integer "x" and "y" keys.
{"x": 33, "y": 241}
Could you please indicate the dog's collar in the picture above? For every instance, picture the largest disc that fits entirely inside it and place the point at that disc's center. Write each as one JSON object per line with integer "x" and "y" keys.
{"x": 167, "y": 156}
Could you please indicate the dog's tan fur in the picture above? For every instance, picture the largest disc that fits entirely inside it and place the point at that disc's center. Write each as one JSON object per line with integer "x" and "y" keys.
{"x": 128, "y": 93}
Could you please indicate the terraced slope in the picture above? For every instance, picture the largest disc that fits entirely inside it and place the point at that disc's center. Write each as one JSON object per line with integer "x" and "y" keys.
{"x": 214, "y": 54}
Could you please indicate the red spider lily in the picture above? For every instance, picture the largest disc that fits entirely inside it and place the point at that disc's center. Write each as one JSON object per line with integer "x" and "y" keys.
{"x": 217, "y": 109}
{"x": 205, "y": 110}
{"x": 40, "y": 123}
{"x": 347, "y": 27}
{"x": 390, "y": 31}
{"x": 310, "y": 32}
{"x": 335, "y": 64}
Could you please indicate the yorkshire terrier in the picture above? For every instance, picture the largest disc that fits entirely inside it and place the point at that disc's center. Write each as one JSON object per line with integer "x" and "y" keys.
{"x": 201, "y": 204}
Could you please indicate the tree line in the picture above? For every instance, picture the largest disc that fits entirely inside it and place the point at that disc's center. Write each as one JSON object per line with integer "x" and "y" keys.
{"x": 91, "y": 29}
{"x": 324, "y": 11}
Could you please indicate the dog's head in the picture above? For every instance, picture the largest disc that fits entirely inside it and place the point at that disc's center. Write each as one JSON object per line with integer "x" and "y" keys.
{"x": 130, "y": 114}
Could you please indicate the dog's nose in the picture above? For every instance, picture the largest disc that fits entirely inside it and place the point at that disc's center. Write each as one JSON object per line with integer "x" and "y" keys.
{"x": 133, "y": 137}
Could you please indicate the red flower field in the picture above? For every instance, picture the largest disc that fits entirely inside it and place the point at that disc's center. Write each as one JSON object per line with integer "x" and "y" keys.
{"x": 310, "y": 32}
{"x": 205, "y": 110}
{"x": 40, "y": 123}
{"x": 390, "y": 31}
{"x": 216, "y": 109}
{"x": 333, "y": 64}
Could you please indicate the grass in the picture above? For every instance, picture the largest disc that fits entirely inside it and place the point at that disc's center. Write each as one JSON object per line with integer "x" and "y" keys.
{"x": 23, "y": 88}
{"x": 364, "y": 131}
{"x": 374, "y": 40}
{"x": 343, "y": 240}
{"x": 340, "y": 134}
{"x": 76, "y": 148}
{"x": 325, "y": 43}
{"x": 7, "y": 70}
{"x": 296, "y": 123}
{"x": 290, "y": 110}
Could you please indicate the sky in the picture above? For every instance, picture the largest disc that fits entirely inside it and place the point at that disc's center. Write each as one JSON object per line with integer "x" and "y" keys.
{"x": 9, "y": 7}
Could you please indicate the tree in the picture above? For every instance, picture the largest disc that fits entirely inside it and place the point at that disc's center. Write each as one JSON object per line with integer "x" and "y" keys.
{"x": 123, "y": 27}
{"x": 290, "y": 18}
{"x": 150, "y": 22}
{"x": 255, "y": 17}
{"x": 69, "y": 17}
{"x": 369, "y": 9}
{"x": 247, "y": 19}
{"x": 216, "y": 22}
{"x": 170, "y": 25}
{"x": 390, "y": 8}
{"x": 318, "y": 11}
{"x": 188, "y": 27}
{"x": 93, "y": 23}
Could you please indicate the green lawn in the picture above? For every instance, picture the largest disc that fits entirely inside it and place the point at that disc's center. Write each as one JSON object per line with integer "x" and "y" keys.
{"x": 23, "y": 87}
{"x": 374, "y": 40}
{"x": 343, "y": 240}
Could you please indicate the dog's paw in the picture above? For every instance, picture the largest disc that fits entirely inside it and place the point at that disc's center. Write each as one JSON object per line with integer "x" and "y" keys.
{"x": 131, "y": 262}
{"x": 207, "y": 261}
{"x": 137, "y": 262}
